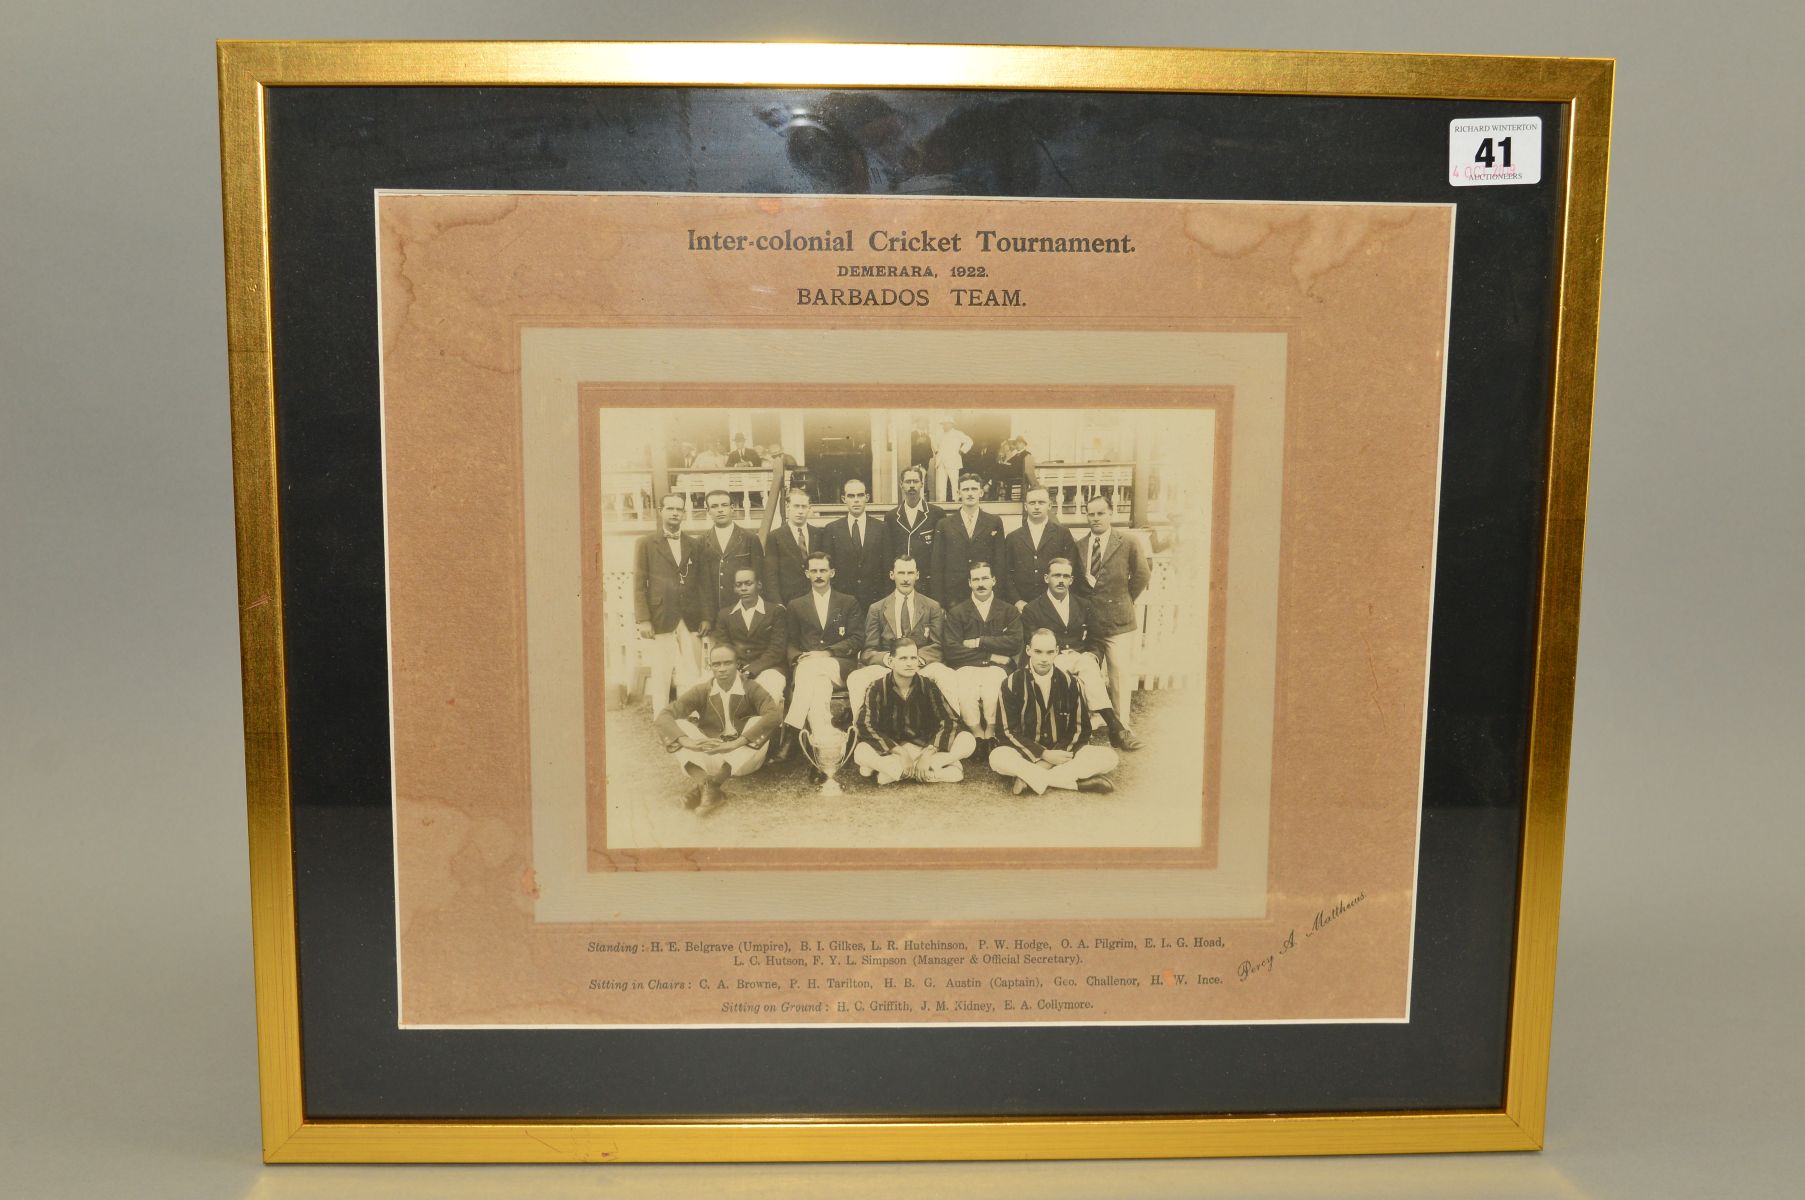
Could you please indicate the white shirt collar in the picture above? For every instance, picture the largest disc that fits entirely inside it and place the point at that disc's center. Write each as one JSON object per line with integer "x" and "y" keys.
{"x": 1043, "y": 682}
{"x": 758, "y": 607}
{"x": 821, "y": 604}
{"x": 1035, "y": 532}
{"x": 738, "y": 688}
{"x": 723, "y": 535}
{"x": 984, "y": 608}
{"x": 1062, "y": 607}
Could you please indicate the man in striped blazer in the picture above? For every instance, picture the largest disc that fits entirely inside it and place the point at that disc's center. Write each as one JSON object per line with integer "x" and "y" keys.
{"x": 1081, "y": 646}
{"x": 910, "y": 527}
{"x": 1044, "y": 728}
{"x": 906, "y": 729}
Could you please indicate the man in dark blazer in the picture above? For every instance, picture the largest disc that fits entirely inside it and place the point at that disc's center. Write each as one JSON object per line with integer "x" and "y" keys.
{"x": 983, "y": 640}
{"x": 1112, "y": 573}
{"x": 1029, "y": 547}
{"x": 758, "y": 632}
{"x": 719, "y": 728}
{"x": 910, "y": 527}
{"x": 858, "y": 544}
{"x": 967, "y": 536}
{"x": 668, "y": 604}
{"x": 787, "y": 551}
{"x": 726, "y": 549}
{"x": 826, "y": 631}
{"x": 1082, "y": 646}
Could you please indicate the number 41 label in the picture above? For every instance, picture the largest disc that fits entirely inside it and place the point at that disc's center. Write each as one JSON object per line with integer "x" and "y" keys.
{"x": 1494, "y": 151}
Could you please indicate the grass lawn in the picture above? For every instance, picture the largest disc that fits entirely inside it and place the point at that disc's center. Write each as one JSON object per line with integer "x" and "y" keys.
{"x": 1157, "y": 801}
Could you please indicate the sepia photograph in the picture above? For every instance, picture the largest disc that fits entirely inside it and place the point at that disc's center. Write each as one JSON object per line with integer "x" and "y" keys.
{"x": 873, "y": 621}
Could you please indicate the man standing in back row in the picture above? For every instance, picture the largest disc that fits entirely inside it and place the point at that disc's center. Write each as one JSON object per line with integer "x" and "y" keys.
{"x": 1029, "y": 547}
{"x": 968, "y": 536}
{"x": 1113, "y": 572}
{"x": 857, "y": 544}
{"x": 910, "y": 527}
{"x": 668, "y": 605}
{"x": 726, "y": 550}
{"x": 787, "y": 550}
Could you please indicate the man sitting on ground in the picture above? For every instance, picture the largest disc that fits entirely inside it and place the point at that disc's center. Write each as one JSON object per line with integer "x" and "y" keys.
{"x": 905, "y": 727}
{"x": 1081, "y": 646}
{"x": 719, "y": 729}
{"x": 1045, "y": 730}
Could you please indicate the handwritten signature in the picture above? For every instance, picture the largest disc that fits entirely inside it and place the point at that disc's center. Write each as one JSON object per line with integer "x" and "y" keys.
{"x": 1324, "y": 918}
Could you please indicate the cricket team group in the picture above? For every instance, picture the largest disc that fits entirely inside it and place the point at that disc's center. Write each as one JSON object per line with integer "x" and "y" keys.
{"x": 946, "y": 633}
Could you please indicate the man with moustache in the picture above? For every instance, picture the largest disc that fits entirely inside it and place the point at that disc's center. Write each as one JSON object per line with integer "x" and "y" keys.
{"x": 668, "y": 602}
{"x": 1044, "y": 729}
{"x": 1081, "y": 646}
{"x": 968, "y": 536}
{"x": 984, "y": 638}
{"x": 826, "y": 630}
{"x": 906, "y": 729}
{"x": 1029, "y": 547}
{"x": 909, "y": 528}
{"x": 904, "y": 613}
{"x": 857, "y": 544}
{"x": 719, "y": 728}
{"x": 787, "y": 550}
{"x": 758, "y": 632}
{"x": 1112, "y": 574}
{"x": 725, "y": 550}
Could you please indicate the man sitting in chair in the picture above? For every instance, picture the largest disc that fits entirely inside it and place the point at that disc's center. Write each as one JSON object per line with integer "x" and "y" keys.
{"x": 983, "y": 640}
{"x": 826, "y": 630}
{"x": 904, "y": 613}
{"x": 905, "y": 727}
{"x": 719, "y": 729}
{"x": 1044, "y": 728}
{"x": 757, "y": 631}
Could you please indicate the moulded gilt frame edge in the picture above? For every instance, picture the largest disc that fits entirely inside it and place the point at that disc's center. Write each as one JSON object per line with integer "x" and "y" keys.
{"x": 248, "y": 69}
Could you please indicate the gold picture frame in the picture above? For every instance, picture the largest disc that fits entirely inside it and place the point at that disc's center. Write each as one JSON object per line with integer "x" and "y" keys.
{"x": 248, "y": 71}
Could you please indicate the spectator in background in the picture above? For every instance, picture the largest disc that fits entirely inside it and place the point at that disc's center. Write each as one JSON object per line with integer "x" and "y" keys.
{"x": 950, "y": 447}
{"x": 1017, "y": 465}
{"x": 743, "y": 455}
{"x": 710, "y": 458}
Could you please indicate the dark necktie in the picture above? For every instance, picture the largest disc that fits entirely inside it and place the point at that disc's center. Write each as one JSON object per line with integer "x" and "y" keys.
{"x": 1096, "y": 557}
{"x": 906, "y": 626}
{"x": 858, "y": 537}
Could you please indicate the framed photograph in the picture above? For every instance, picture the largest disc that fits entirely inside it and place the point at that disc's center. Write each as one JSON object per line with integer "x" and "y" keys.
{"x": 885, "y": 602}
